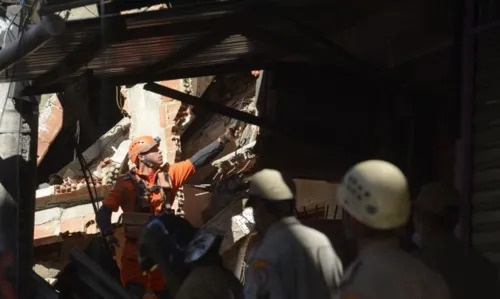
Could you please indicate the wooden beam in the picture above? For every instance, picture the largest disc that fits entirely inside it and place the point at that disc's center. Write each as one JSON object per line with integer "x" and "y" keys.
{"x": 207, "y": 105}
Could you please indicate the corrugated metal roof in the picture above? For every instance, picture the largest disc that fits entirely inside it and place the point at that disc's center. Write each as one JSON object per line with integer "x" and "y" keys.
{"x": 172, "y": 30}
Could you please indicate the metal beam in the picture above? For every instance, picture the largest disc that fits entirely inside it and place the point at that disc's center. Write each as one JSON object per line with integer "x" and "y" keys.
{"x": 219, "y": 33}
{"x": 178, "y": 28}
{"x": 35, "y": 37}
{"x": 191, "y": 72}
{"x": 95, "y": 45}
{"x": 208, "y": 105}
{"x": 113, "y": 31}
{"x": 194, "y": 48}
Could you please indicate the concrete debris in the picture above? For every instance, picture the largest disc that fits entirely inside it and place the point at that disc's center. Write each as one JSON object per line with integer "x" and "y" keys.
{"x": 71, "y": 185}
{"x": 51, "y": 224}
{"x": 46, "y": 112}
{"x": 226, "y": 191}
{"x": 102, "y": 148}
{"x": 69, "y": 174}
{"x": 107, "y": 171}
{"x": 239, "y": 161}
{"x": 48, "y": 198}
{"x": 235, "y": 222}
{"x": 46, "y": 272}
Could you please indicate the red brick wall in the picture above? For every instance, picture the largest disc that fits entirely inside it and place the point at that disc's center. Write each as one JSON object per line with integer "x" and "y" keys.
{"x": 49, "y": 127}
{"x": 172, "y": 113}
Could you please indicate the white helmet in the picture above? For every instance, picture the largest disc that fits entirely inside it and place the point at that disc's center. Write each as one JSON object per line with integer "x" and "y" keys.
{"x": 375, "y": 192}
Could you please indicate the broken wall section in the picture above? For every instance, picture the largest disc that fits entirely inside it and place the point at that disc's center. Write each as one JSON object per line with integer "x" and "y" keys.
{"x": 64, "y": 212}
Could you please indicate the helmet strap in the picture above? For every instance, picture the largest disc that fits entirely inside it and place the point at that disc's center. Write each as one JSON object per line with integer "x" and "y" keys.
{"x": 147, "y": 163}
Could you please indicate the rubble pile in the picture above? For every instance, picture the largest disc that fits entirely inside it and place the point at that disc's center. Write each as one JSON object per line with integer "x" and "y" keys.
{"x": 107, "y": 171}
{"x": 71, "y": 185}
{"x": 110, "y": 174}
{"x": 105, "y": 174}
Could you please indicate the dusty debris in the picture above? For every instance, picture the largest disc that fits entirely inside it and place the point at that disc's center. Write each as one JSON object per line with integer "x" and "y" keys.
{"x": 46, "y": 272}
{"x": 240, "y": 161}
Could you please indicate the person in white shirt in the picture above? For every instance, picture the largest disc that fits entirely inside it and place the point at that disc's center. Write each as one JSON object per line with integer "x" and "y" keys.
{"x": 292, "y": 261}
{"x": 375, "y": 199}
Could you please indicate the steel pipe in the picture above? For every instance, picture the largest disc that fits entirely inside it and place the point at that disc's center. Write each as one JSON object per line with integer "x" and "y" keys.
{"x": 32, "y": 39}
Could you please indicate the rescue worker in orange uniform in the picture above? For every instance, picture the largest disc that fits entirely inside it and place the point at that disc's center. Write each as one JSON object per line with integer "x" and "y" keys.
{"x": 149, "y": 189}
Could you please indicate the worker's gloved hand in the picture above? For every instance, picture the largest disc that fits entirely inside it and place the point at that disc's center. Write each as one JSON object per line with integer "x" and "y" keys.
{"x": 234, "y": 129}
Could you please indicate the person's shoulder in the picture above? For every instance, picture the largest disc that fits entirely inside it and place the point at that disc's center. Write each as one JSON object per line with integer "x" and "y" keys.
{"x": 125, "y": 180}
{"x": 313, "y": 237}
{"x": 125, "y": 176}
{"x": 416, "y": 265}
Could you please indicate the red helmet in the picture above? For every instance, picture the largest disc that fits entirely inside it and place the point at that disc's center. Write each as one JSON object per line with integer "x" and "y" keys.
{"x": 141, "y": 145}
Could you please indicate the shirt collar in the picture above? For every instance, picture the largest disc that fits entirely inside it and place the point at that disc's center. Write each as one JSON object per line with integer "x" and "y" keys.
{"x": 137, "y": 172}
{"x": 281, "y": 224}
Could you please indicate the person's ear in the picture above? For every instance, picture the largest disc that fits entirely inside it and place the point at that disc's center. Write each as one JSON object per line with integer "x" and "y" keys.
{"x": 140, "y": 157}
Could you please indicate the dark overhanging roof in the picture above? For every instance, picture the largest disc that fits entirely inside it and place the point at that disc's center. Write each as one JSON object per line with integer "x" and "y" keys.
{"x": 174, "y": 43}
{"x": 190, "y": 41}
